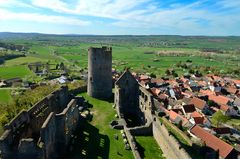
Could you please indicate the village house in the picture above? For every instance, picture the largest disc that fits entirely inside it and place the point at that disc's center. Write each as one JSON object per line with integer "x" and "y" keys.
{"x": 200, "y": 104}
{"x": 220, "y": 99}
{"x": 224, "y": 150}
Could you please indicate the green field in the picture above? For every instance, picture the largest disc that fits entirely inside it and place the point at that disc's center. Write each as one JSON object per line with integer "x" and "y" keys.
{"x": 14, "y": 71}
{"x": 135, "y": 58}
{"x": 98, "y": 136}
{"x": 148, "y": 147}
{"x": 23, "y": 61}
{"x": 5, "y": 96}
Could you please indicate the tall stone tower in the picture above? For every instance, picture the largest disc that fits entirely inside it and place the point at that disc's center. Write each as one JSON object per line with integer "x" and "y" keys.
{"x": 100, "y": 72}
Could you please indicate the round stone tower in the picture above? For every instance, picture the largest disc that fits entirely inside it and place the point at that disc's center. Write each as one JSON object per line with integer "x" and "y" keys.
{"x": 100, "y": 72}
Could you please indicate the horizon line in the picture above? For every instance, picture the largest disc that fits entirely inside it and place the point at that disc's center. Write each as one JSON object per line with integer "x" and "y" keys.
{"x": 76, "y": 34}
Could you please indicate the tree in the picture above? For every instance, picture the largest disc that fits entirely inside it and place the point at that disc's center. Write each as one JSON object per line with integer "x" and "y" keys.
{"x": 168, "y": 72}
{"x": 219, "y": 118}
{"x": 152, "y": 75}
{"x": 61, "y": 66}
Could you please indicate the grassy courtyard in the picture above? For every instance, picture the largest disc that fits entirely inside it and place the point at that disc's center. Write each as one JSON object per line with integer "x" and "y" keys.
{"x": 148, "y": 147}
{"x": 97, "y": 139}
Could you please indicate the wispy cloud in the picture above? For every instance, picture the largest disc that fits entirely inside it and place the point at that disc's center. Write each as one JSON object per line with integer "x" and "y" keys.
{"x": 117, "y": 9}
{"x": 34, "y": 17}
{"x": 180, "y": 17}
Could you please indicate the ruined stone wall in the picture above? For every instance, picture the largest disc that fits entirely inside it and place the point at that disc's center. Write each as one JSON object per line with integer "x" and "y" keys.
{"x": 48, "y": 137}
{"x": 79, "y": 90}
{"x": 145, "y": 130}
{"x": 132, "y": 142}
{"x": 100, "y": 72}
{"x": 27, "y": 124}
{"x": 69, "y": 120}
{"x": 57, "y": 130}
{"x": 146, "y": 104}
{"x": 5, "y": 141}
{"x": 21, "y": 118}
{"x": 167, "y": 142}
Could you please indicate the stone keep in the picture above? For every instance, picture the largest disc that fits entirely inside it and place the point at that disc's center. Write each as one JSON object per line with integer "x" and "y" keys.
{"x": 100, "y": 72}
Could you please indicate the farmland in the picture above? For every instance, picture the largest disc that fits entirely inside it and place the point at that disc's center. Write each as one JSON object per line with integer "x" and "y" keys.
{"x": 143, "y": 54}
{"x": 5, "y": 96}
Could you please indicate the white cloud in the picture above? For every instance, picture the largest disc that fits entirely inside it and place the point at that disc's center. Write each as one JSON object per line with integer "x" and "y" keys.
{"x": 118, "y": 9}
{"x": 195, "y": 18}
{"x": 35, "y": 17}
{"x": 10, "y": 3}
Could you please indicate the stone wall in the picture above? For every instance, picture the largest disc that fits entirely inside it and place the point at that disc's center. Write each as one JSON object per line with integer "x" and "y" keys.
{"x": 79, "y": 90}
{"x": 132, "y": 143}
{"x": 126, "y": 95}
{"x": 100, "y": 72}
{"x": 145, "y": 130}
{"x": 146, "y": 104}
{"x": 48, "y": 136}
{"x": 167, "y": 142}
{"x": 46, "y": 127}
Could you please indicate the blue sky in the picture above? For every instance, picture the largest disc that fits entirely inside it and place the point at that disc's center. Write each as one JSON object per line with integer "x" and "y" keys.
{"x": 121, "y": 17}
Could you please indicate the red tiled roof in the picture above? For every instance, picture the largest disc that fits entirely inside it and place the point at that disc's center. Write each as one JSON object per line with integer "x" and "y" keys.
{"x": 216, "y": 78}
{"x": 207, "y": 92}
{"x": 202, "y": 83}
{"x": 196, "y": 114}
{"x": 218, "y": 99}
{"x": 200, "y": 104}
{"x": 231, "y": 90}
{"x": 224, "y": 107}
{"x": 213, "y": 142}
{"x": 198, "y": 118}
{"x": 144, "y": 77}
{"x": 157, "y": 80}
{"x": 163, "y": 96}
{"x": 173, "y": 115}
{"x": 155, "y": 91}
{"x": 236, "y": 81}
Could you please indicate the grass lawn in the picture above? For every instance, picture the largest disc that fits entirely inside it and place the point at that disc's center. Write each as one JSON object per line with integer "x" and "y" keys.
{"x": 5, "y": 96}
{"x": 23, "y": 61}
{"x": 97, "y": 139}
{"x": 14, "y": 71}
{"x": 234, "y": 121}
{"x": 148, "y": 147}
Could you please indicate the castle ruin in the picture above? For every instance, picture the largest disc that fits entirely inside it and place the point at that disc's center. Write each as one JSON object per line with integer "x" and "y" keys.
{"x": 100, "y": 72}
{"x": 137, "y": 108}
{"x": 45, "y": 130}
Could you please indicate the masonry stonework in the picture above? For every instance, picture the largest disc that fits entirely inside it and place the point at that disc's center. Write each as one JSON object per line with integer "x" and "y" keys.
{"x": 131, "y": 98}
{"x": 45, "y": 130}
{"x": 100, "y": 72}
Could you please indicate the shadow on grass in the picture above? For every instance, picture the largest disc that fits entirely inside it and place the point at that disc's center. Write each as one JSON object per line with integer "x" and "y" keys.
{"x": 90, "y": 144}
{"x": 141, "y": 150}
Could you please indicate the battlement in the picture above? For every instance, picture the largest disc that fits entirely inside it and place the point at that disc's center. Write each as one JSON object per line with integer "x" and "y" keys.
{"x": 104, "y": 49}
